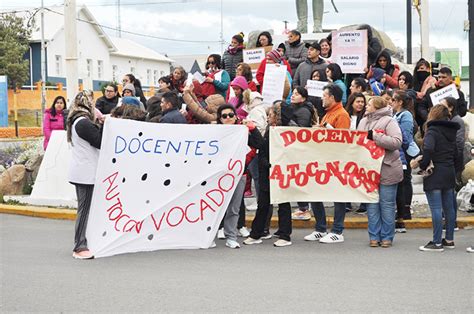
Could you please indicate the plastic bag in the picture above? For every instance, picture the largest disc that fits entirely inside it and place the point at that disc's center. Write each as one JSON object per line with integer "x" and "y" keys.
{"x": 464, "y": 195}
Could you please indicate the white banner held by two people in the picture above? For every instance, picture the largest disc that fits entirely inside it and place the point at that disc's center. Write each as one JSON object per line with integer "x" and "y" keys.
{"x": 274, "y": 82}
{"x": 158, "y": 188}
{"x": 327, "y": 165}
{"x": 349, "y": 50}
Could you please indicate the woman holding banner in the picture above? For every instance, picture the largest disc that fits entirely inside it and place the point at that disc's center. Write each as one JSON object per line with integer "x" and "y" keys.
{"x": 279, "y": 115}
{"x": 85, "y": 137}
{"x": 385, "y": 132}
{"x": 227, "y": 114}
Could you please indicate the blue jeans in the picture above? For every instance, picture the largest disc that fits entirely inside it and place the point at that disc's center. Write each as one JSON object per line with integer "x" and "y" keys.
{"x": 320, "y": 215}
{"x": 381, "y": 215}
{"x": 439, "y": 201}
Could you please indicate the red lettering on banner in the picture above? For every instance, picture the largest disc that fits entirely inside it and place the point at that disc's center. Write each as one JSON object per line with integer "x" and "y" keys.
{"x": 180, "y": 219}
{"x": 319, "y": 135}
{"x": 348, "y": 174}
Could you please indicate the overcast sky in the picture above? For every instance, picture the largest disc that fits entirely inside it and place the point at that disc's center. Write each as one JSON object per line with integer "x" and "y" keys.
{"x": 200, "y": 20}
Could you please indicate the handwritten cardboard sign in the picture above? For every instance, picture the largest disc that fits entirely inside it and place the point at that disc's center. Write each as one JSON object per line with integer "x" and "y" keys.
{"x": 275, "y": 76}
{"x": 315, "y": 88}
{"x": 349, "y": 50}
{"x": 159, "y": 188}
{"x": 254, "y": 57}
{"x": 448, "y": 91}
{"x": 318, "y": 164}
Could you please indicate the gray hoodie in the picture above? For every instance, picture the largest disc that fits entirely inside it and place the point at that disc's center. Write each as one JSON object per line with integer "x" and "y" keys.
{"x": 305, "y": 69}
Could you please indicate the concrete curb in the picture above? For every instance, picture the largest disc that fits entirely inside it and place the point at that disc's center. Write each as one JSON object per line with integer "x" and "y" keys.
{"x": 349, "y": 223}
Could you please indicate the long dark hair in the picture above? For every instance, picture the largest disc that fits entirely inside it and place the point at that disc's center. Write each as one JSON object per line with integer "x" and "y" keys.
{"x": 408, "y": 78}
{"x": 136, "y": 82}
{"x": 350, "y": 101}
{"x": 217, "y": 60}
{"x": 453, "y": 105}
{"x": 266, "y": 34}
{"x": 222, "y": 108}
{"x": 52, "y": 110}
{"x": 336, "y": 72}
{"x": 407, "y": 101}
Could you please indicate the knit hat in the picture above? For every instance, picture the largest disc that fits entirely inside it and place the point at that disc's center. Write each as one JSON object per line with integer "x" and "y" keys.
{"x": 130, "y": 87}
{"x": 214, "y": 102}
{"x": 241, "y": 82}
{"x": 275, "y": 55}
{"x": 129, "y": 100}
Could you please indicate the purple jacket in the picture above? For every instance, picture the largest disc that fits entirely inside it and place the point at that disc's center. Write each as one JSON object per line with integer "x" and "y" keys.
{"x": 51, "y": 123}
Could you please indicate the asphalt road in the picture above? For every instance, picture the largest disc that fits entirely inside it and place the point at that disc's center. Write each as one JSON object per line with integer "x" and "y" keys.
{"x": 38, "y": 274}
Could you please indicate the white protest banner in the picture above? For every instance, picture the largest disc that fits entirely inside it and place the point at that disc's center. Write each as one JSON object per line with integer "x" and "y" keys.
{"x": 274, "y": 82}
{"x": 448, "y": 91}
{"x": 163, "y": 186}
{"x": 315, "y": 88}
{"x": 327, "y": 165}
{"x": 349, "y": 50}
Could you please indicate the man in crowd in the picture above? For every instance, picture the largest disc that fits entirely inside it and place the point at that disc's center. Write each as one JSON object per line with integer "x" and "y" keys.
{"x": 313, "y": 62}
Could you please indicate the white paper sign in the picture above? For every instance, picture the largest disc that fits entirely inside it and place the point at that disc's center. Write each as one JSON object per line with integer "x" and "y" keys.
{"x": 198, "y": 76}
{"x": 448, "y": 91}
{"x": 163, "y": 186}
{"x": 274, "y": 82}
{"x": 315, "y": 88}
{"x": 349, "y": 50}
{"x": 252, "y": 56}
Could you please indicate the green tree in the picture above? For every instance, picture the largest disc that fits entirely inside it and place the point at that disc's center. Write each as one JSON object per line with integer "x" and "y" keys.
{"x": 14, "y": 36}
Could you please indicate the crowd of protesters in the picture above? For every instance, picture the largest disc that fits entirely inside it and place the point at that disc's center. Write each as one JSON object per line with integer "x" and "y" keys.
{"x": 392, "y": 106}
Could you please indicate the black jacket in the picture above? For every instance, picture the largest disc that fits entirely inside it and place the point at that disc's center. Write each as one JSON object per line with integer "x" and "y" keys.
{"x": 106, "y": 105}
{"x": 439, "y": 146}
{"x": 302, "y": 115}
{"x": 426, "y": 104}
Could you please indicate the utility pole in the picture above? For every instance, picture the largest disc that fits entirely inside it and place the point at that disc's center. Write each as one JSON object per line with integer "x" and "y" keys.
{"x": 409, "y": 31}
{"x": 425, "y": 29}
{"x": 43, "y": 64}
{"x": 70, "y": 32}
{"x": 470, "y": 5}
{"x": 119, "y": 22}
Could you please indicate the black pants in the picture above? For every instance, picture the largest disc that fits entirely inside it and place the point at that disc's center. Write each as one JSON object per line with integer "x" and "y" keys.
{"x": 241, "y": 221}
{"x": 259, "y": 222}
{"x": 405, "y": 195}
{"x": 84, "y": 199}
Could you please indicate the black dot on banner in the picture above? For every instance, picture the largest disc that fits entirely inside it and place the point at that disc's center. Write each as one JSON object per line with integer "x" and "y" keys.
{"x": 104, "y": 234}
{"x": 167, "y": 182}
{"x": 209, "y": 162}
{"x": 150, "y": 237}
{"x": 208, "y": 228}
{"x": 203, "y": 183}
{"x": 185, "y": 161}
{"x": 144, "y": 177}
{"x": 140, "y": 134}
{"x": 147, "y": 201}
{"x": 167, "y": 165}
{"x": 123, "y": 180}
{"x": 114, "y": 160}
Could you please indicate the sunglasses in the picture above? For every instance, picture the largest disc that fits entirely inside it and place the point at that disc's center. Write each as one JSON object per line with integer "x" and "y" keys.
{"x": 211, "y": 62}
{"x": 227, "y": 115}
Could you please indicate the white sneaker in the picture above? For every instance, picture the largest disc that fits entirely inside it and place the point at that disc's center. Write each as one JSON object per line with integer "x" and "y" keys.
{"x": 281, "y": 243}
{"x": 220, "y": 234}
{"x": 213, "y": 245}
{"x": 232, "y": 244}
{"x": 470, "y": 249}
{"x": 332, "y": 238}
{"x": 252, "y": 207}
{"x": 243, "y": 232}
{"x": 315, "y": 236}
{"x": 250, "y": 241}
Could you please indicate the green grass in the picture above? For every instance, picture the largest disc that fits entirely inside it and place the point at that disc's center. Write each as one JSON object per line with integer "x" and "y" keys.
{"x": 26, "y": 118}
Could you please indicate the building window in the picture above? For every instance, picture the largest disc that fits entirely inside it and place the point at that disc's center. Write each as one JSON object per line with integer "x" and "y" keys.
{"x": 132, "y": 70}
{"x": 148, "y": 76}
{"x": 114, "y": 73}
{"x": 100, "y": 69}
{"x": 89, "y": 68}
{"x": 58, "y": 64}
{"x": 155, "y": 78}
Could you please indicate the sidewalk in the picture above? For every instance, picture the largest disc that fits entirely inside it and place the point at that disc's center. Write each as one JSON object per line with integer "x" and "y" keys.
{"x": 421, "y": 216}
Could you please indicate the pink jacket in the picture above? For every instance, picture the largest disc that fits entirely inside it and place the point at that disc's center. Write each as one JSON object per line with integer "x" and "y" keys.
{"x": 51, "y": 123}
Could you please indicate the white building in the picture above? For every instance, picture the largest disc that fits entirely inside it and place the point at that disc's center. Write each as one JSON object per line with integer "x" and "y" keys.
{"x": 101, "y": 58}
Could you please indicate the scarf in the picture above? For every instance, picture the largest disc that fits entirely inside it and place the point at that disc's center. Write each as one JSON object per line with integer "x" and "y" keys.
{"x": 234, "y": 50}
{"x": 295, "y": 43}
{"x": 82, "y": 107}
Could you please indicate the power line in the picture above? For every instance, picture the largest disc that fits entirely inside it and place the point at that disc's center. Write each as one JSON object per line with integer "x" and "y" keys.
{"x": 139, "y": 34}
